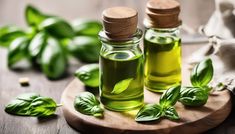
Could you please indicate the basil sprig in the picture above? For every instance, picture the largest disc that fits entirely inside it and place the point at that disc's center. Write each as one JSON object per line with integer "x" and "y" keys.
{"x": 198, "y": 94}
{"x": 48, "y": 42}
{"x": 165, "y": 108}
{"x": 87, "y": 103}
{"x": 31, "y": 104}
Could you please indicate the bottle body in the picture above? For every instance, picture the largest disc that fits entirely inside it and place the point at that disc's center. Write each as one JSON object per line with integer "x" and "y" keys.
{"x": 121, "y": 74}
{"x": 162, "y": 51}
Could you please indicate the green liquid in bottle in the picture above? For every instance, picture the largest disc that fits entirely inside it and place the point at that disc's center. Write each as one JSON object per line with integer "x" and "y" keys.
{"x": 162, "y": 62}
{"x": 122, "y": 72}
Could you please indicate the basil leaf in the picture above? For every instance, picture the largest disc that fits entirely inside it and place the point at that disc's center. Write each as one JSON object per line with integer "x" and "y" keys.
{"x": 121, "y": 86}
{"x": 17, "y": 51}
{"x": 86, "y": 103}
{"x": 202, "y": 73}
{"x": 193, "y": 96}
{"x": 149, "y": 112}
{"x": 53, "y": 60}
{"x": 170, "y": 96}
{"x": 57, "y": 27}
{"x": 28, "y": 96}
{"x": 89, "y": 75}
{"x": 21, "y": 105}
{"x": 8, "y": 34}
{"x": 85, "y": 48}
{"x": 171, "y": 113}
{"x": 87, "y": 27}
{"x": 36, "y": 46}
{"x": 33, "y": 16}
{"x": 42, "y": 107}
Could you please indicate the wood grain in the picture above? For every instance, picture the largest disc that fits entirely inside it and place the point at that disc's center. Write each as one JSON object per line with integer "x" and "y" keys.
{"x": 193, "y": 120}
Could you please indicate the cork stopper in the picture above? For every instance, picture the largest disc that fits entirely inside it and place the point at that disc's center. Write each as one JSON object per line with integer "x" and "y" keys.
{"x": 120, "y": 23}
{"x": 162, "y": 14}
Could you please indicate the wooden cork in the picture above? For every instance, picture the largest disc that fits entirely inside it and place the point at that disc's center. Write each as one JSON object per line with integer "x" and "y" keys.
{"x": 120, "y": 22}
{"x": 162, "y": 14}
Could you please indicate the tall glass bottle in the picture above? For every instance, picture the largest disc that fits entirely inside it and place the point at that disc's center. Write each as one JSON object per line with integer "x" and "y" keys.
{"x": 121, "y": 60}
{"x": 162, "y": 45}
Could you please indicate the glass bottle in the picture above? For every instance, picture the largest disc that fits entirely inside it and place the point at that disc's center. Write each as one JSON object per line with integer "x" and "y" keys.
{"x": 162, "y": 45}
{"x": 121, "y": 65}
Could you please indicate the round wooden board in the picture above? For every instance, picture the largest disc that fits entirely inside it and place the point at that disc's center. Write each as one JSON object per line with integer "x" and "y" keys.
{"x": 193, "y": 120}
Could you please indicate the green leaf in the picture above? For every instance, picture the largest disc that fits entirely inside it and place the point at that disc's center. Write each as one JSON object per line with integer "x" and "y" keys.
{"x": 149, "y": 112}
{"x": 17, "y": 50}
{"x": 171, "y": 113}
{"x": 89, "y": 75}
{"x": 193, "y": 96}
{"x": 87, "y": 27}
{"x": 85, "y": 48}
{"x": 53, "y": 60}
{"x": 37, "y": 45}
{"x": 86, "y": 103}
{"x": 28, "y": 96}
{"x": 57, "y": 27}
{"x": 33, "y": 16}
{"x": 42, "y": 107}
{"x": 170, "y": 96}
{"x": 121, "y": 86}
{"x": 8, "y": 34}
{"x": 21, "y": 105}
{"x": 202, "y": 73}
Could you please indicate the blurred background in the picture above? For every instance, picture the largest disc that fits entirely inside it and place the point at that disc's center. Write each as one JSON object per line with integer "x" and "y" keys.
{"x": 193, "y": 12}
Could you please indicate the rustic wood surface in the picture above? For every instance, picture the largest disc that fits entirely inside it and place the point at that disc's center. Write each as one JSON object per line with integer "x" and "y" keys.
{"x": 192, "y": 120}
{"x": 9, "y": 88}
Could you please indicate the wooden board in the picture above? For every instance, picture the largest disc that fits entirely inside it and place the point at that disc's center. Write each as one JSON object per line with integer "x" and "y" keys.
{"x": 193, "y": 120}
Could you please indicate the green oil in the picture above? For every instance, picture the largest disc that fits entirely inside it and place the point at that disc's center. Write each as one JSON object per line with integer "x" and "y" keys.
{"x": 162, "y": 62}
{"x": 115, "y": 68}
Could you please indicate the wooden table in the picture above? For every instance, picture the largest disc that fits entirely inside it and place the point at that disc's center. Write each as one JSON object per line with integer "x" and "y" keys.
{"x": 9, "y": 88}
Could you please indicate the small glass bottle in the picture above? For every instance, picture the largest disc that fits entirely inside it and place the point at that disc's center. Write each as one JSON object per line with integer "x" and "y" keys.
{"x": 121, "y": 60}
{"x": 162, "y": 45}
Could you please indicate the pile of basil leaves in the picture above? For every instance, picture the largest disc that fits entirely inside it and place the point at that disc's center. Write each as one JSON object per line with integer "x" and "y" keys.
{"x": 48, "y": 42}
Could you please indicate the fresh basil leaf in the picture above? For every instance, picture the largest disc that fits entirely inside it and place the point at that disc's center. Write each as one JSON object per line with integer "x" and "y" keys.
{"x": 36, "y": 46}
{"x": 87, "y": 27}
{"x": 28, "y": 96}
{"x": 57, "y": 27}
{"x": 42, "y": 107}
{"x": 53, "y": 60}
{"x": 33, "y": 16}
{"x": 193, "y": 96}
{"x": 85, "y": 48}
{"x": 170, "y": 96}
{"x": 21, "y": 105}
{"x": 8, "y": 34}
{"x": 202, "y": 73}
{"x": 17, "y": 50}
{"x": 87, "y": 103}
{"x": 171, "y": 113}
{"x": 18, "y": 107}
{"x": 89, "y": 75}
{"x": 121, "y": 86}
{"x": 149, "y": 112}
